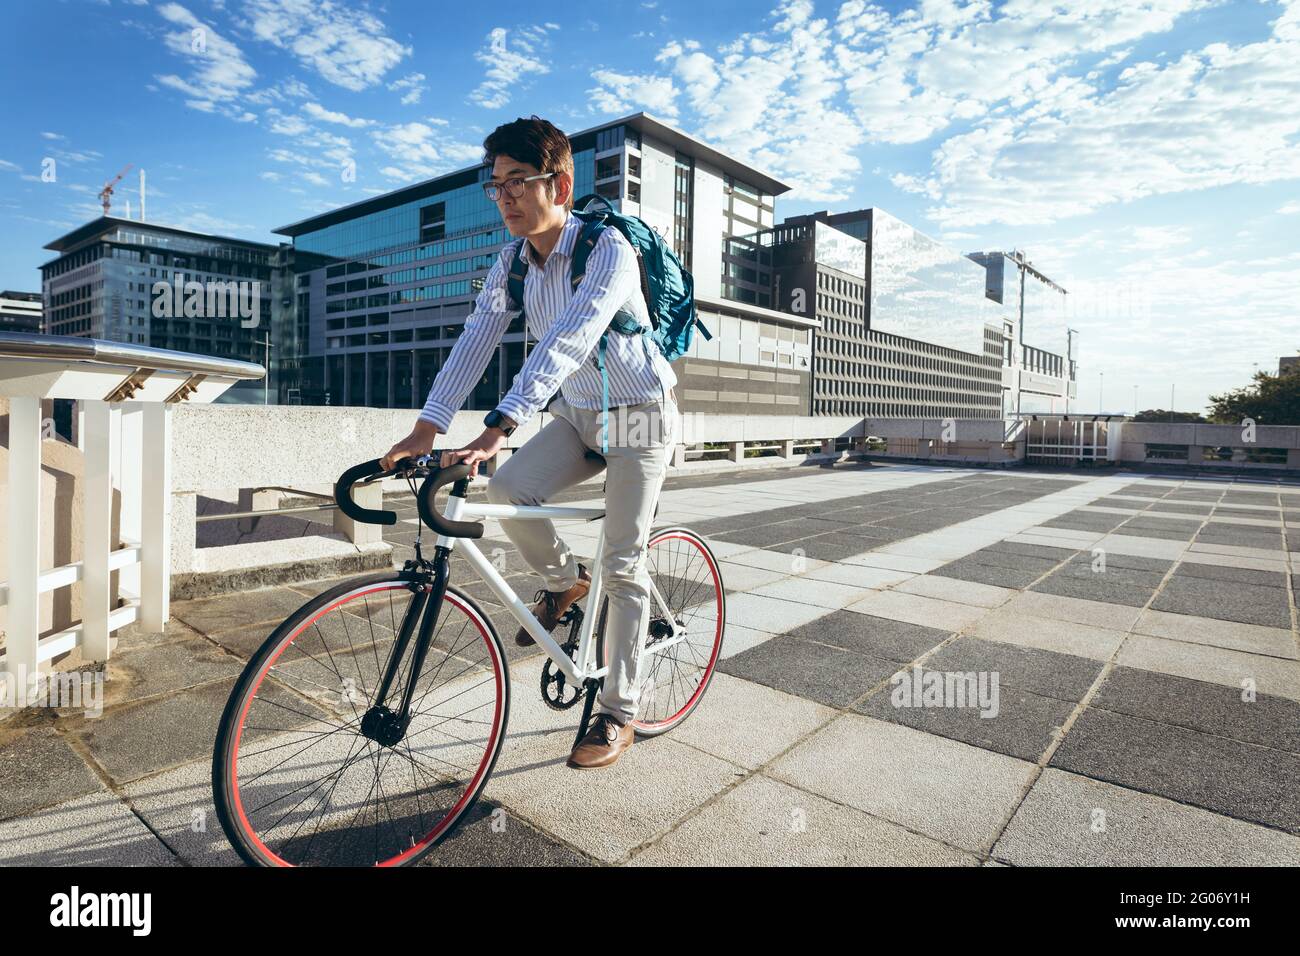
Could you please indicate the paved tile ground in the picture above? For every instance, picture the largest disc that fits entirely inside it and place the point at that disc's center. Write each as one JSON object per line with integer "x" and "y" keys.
{"x": 923, "y": 666}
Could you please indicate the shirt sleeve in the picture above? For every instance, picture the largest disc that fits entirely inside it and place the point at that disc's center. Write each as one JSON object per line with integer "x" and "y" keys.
{"x": 475, "y": 347}
{"x": 610, "y": 280}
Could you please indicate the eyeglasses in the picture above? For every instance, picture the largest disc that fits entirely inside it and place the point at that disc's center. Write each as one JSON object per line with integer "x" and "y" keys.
{"x": 514, "y": 187}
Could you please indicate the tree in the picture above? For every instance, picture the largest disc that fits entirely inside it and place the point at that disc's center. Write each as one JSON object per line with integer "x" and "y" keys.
{"x": 1271, "y": 400}
{"x": 1160, "y": 415}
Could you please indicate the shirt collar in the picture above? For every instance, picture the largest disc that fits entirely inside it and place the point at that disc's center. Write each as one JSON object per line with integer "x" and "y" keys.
{"x": 564, "y": 247}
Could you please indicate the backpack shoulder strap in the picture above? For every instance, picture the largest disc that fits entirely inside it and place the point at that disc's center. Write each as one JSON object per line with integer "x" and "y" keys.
{"x": 515, "y": 280}
{"x": 582, "y": 246}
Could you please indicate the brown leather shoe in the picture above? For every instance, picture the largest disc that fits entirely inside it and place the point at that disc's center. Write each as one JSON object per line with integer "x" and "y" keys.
{"x": 604, "y": 742}
{"x": 551, "y": 605}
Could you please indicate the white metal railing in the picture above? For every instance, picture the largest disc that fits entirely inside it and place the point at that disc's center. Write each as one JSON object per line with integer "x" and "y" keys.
{"x": 125, "y": 394}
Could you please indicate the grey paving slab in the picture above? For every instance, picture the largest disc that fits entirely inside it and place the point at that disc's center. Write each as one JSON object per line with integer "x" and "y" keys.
{"x": 1060, "y": 676}
{"x": 834, "y": 546}
{"x": 965, "y": 569}
{"x": 914, "y": 609}
{"x": 878, "y": 637}
{"x": 952, "y": 589}
{"x": 1273, "y": 579}
{"x": 1225, "y": 600}
{"x": 1009, "y": 720}
{"x": 1251, "y": 638}
{"x": 1226, "y": 776}
{"x": 818, "y": 672}
{"x": 138, "y": 739}
{"x": 856, "y": 575}
{"x": 747, "y": 723}
{"x": 1061, "y": 637}
{"x": 770, "y": 614}
{"x": 137, "y": 673}
{"x": 775, "y": 561}
{"x": 942, "y": 788}
{"x": 1267, "y": 675}
{"x": 1053, "y": 555}
{"x": 736, "y": 639}
{"x": 178, "y": 805}
{"x": 603, "y": 814}
{"x": 38, "y": 767}
{"x": 1153, "y": 530}
{"x": 764, "y": 822}
{"x": 491, "y": 836}
{"x": 1202, "y": 706}
{"x": 1069, "y": 820}
{"x": 1062, "y": 608}
{"x": 228, "y": 611}
{"x": 97, "y": 829}
{"x": 1095, "y": 587}
{"x": 822, "y": 594}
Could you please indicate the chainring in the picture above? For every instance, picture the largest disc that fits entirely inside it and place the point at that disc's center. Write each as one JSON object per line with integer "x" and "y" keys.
{"x": 555, "y": 688}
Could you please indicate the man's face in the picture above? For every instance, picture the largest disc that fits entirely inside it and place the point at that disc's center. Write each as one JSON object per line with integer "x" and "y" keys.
{"x": 536, "y": 209}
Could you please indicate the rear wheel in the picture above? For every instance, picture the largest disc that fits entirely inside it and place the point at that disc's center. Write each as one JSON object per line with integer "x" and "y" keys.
{"x": 676, "y": 671}
{"x": 305, "y": 773}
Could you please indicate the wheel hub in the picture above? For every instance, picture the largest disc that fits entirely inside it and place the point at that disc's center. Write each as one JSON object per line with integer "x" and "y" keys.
{"x": 383, "y": 726}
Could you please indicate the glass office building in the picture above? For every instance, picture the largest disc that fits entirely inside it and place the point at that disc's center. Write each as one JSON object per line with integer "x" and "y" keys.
{"x": 103, "y": 282}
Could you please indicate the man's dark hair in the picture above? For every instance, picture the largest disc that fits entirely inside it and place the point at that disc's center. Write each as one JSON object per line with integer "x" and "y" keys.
{"x": 534, "y": 141}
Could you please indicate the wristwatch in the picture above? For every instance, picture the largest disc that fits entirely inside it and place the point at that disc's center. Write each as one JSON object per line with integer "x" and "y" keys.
{"x": 494, "y": 419}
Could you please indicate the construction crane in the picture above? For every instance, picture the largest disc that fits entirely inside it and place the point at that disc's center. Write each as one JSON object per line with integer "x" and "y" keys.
{"x": 106, "y": 194}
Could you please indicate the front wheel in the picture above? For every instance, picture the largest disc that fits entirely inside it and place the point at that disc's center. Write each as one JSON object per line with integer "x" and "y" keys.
{"x": 676, "y": 670}
{"x": 306, "y": 772}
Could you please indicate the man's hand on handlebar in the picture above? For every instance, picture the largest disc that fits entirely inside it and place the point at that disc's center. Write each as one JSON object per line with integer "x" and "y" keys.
{"x": 419, "y": 442}
{"x": 480, "y": 449}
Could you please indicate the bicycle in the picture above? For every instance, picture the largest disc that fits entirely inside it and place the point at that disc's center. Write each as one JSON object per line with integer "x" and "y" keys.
{"x": 362, "y": 732}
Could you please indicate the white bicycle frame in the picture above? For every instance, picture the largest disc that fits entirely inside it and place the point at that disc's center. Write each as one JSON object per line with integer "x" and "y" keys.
{"x": 459, "y": 509}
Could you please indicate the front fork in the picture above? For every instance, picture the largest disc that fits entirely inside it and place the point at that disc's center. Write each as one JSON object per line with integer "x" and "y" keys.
{"x": 381, "y": 722}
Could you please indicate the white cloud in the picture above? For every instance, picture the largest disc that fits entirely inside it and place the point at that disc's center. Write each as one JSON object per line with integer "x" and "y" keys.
{"x": 347, "y": 47}
{"x": 318, "y": 112}
{"x": 411, "y": 87}
{"x": 621, "y": 93}
{"x": 774, "y": 99}
{"x": 419, "y": 151}
{"x": 1213, "y": 117}
{"x": 510, "y": 59}
{"x": 218, "y": 73}
{"x": 1291, "y": 208}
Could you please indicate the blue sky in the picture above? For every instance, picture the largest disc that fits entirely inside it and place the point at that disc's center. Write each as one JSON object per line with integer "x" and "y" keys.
{"x": 1143, "y": 153}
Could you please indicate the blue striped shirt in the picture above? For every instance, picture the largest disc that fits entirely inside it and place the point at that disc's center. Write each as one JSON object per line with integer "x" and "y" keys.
{"x": 567, "y": 324}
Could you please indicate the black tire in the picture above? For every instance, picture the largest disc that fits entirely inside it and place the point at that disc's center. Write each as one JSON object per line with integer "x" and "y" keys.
{"x": 690, "y": 580}
{"x": 270, "y": 688}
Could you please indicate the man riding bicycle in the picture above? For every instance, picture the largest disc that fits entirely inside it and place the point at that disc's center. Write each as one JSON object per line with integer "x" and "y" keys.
{"x": 532, "y": 185}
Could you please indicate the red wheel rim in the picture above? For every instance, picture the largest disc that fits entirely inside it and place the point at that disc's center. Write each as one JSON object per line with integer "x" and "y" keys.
{"x": 471, "y": 789}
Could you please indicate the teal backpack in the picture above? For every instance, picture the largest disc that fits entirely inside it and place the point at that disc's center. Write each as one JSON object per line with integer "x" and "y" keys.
{"x": 668, "y": 289}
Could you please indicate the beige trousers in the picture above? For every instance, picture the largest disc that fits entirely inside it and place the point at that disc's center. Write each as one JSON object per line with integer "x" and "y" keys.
{"x": 640, "y": 440}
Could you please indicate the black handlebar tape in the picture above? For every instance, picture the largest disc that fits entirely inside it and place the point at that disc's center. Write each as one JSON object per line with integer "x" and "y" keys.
{"x": 424, "y": 501}
{"x": 343, "y": 494}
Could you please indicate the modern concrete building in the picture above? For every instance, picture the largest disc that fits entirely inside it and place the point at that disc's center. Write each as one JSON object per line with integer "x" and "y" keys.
{"x": 391, "y": 279}
{"x": 20, "y": 311}
{"x": 902, "y": 327}
{"x": 150, "y": 284}
{"x": 1040, "y": 361}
